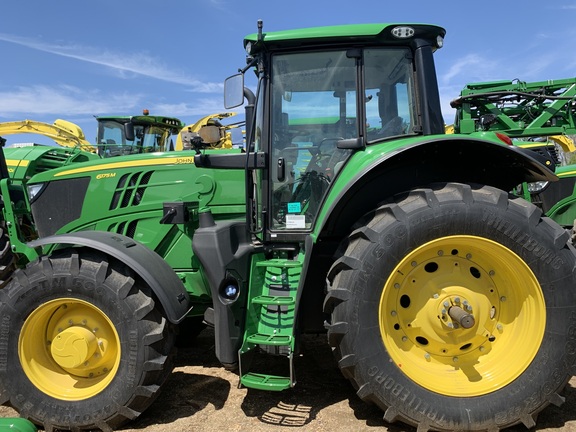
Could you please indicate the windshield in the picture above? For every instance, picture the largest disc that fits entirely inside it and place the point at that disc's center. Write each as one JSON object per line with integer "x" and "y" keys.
{"x": 315, "y": 103}
{"x": 112, "y": 139}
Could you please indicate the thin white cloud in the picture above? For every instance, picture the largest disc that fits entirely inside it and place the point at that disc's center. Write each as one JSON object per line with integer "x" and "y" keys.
{"x": 220, "y": 5}
{"x": 63, "y": 100}
{"x": 476, "y": 68}
{"x": 201, "y": 107}
{"x": 35, "y": 102}
{"x": 471, "y": 66}
{"x": 521, "y": 65}
{"x": 124, "y": 63}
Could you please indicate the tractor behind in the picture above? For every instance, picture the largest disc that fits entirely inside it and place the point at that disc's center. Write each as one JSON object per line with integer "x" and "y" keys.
{"x": 537, "y": 115}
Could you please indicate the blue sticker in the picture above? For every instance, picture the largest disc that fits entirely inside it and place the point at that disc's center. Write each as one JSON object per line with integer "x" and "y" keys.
{"x": 294, "y": 207}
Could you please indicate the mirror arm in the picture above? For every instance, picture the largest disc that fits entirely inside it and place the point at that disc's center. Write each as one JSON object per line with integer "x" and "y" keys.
{"x": 252, "y": 160}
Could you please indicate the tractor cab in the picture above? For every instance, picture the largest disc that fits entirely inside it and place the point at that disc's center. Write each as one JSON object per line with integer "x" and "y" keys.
{"x": 318, "y": 103}
{"x": 117, "y": 136}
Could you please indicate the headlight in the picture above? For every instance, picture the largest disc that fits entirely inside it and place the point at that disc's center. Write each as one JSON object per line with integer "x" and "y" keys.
{"x": 403, "y": 32}
{"x": 537, "y": 187}
{"x": 34, "y": 191}
{"x": 439, "y": 41}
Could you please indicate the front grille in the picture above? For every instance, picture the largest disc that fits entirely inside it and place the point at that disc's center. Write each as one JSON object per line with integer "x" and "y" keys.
{"x": 58, "y": 204}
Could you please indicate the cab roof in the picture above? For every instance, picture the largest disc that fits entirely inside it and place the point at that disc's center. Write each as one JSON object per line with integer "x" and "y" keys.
{"x": 347, "y": 34}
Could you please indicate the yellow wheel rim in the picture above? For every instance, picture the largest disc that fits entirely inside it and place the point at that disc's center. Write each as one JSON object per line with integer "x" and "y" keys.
{"x": 69, "y": 349}
{"x": 462, "y": 316}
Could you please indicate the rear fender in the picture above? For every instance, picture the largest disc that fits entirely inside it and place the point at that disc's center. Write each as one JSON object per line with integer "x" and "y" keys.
{"x": 363, "y": 184}
{"x": 150, "y": 266}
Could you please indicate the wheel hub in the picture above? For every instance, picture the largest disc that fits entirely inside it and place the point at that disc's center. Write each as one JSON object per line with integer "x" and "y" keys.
{"x": 456, "y": 313}
{"x": 73, "y": 347}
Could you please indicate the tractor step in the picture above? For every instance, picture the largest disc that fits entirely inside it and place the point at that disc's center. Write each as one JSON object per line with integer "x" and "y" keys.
{"x": 279, "y": 263}
{"x": 265, "y": 382}
{"x": 269, "y": 339}
{"x": 274, "y": 300}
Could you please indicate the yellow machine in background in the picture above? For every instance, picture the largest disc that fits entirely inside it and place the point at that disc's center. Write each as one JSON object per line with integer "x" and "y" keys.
{"x": 213, "y": 133}
{"x": 564, "y": 141}
{"x": 63, "y": 132}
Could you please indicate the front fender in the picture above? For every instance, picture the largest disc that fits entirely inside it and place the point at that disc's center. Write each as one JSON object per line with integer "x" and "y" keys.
{"x": 161, "y": 278}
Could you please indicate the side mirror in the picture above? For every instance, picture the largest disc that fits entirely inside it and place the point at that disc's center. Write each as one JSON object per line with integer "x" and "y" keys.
{"x": 234, "y": 91}
{"x": 129, "y": 131}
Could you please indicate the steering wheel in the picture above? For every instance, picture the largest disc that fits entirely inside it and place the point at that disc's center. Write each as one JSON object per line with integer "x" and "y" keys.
{"x": 321, "y": 159}
{"x": 307, "y": 191}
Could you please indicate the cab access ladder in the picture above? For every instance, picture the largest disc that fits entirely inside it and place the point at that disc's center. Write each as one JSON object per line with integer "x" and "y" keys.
{"x": 270, "y": 324}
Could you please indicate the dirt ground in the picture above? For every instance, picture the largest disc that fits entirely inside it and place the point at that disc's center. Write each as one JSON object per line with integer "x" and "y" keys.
{"x": 202, "y": 396}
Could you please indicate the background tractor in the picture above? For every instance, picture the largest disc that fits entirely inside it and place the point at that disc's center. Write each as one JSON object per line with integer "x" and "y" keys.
{"x": 539, "y": 116}
{"x": 117, "y": 136}
{"x": 114, "y": 136}
{"x": 449, "y": 302}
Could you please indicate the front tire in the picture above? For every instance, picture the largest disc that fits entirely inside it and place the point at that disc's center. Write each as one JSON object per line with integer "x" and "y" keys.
{"x": 454, "y": 308}
{"x": 83, "y": 345}
{"x": 7, "y": 258}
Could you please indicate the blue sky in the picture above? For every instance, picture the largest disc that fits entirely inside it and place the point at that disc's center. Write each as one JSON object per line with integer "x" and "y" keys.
{"x": 74, "y": 59}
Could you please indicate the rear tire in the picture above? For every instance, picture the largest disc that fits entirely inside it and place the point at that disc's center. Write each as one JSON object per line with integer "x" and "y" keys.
{"x": 504, "y": 272}
{"x": 83, "y": 345}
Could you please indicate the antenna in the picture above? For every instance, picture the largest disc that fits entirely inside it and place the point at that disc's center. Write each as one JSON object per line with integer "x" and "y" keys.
{"x": 260, "y": 25}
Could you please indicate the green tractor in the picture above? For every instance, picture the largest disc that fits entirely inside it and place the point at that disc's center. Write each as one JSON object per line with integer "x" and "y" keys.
{"x": 145, "y": 133}
{"x": 449, "y": 302}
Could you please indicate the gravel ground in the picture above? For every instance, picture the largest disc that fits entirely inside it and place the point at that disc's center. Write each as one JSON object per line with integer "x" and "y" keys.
{"x": 202, "y": 396}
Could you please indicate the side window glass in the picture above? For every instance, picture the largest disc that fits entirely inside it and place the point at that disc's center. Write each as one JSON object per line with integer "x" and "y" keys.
{"x": 390, "y": 102}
